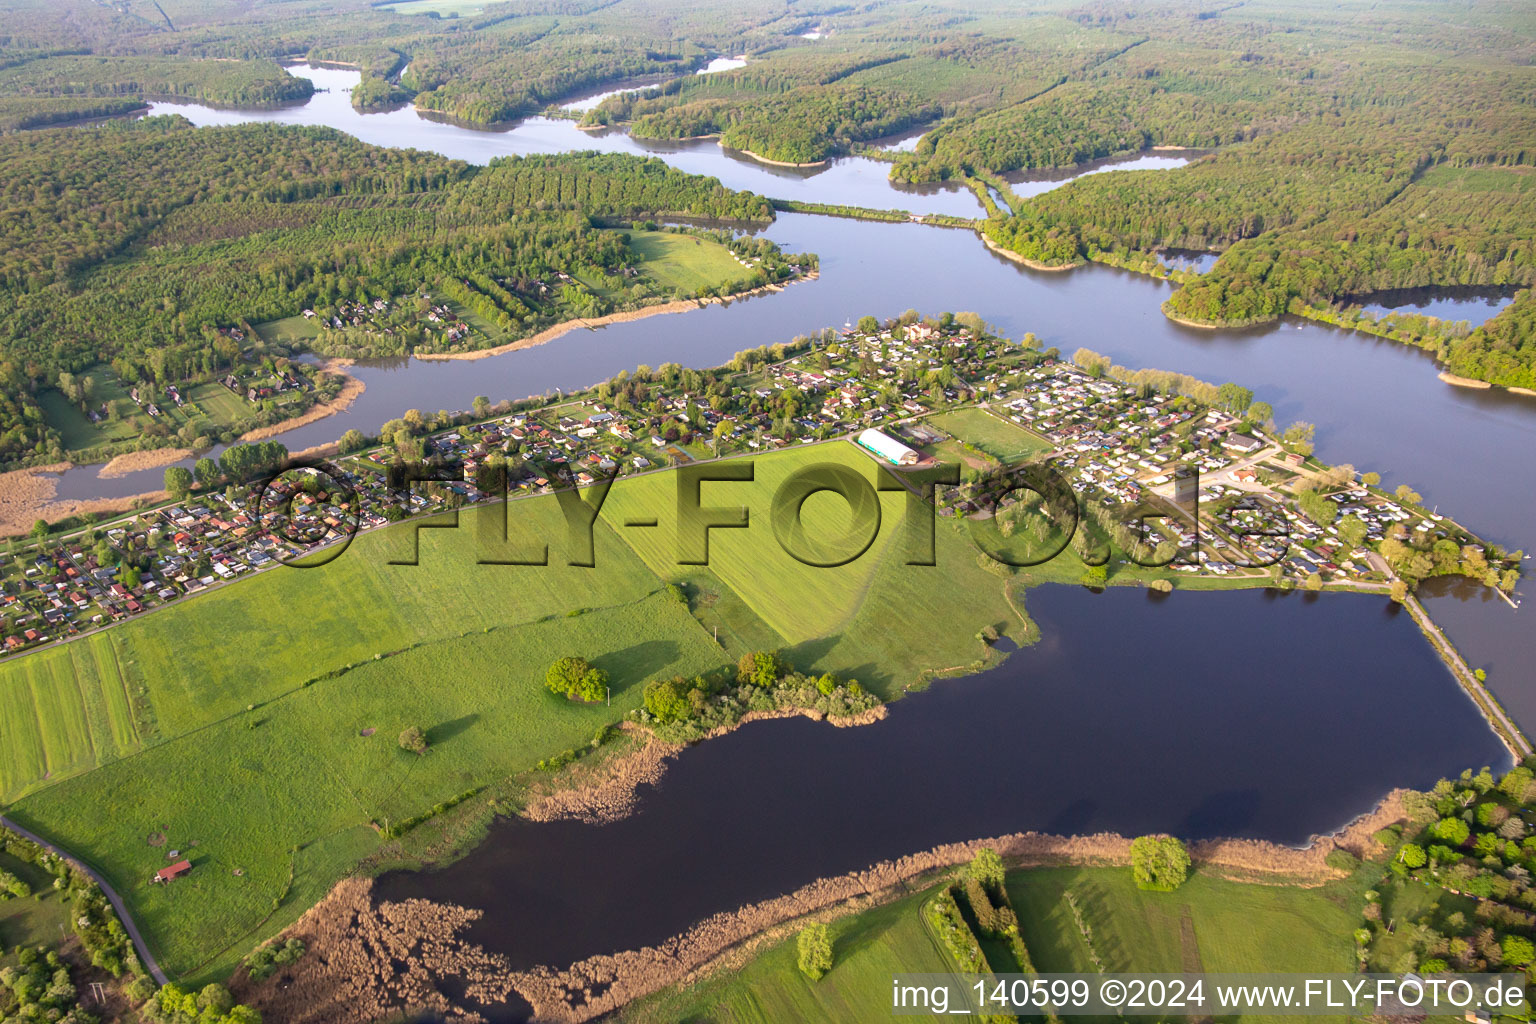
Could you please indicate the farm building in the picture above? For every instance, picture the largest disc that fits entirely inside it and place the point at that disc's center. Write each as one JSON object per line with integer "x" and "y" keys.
{"x": 181, "y": 867}
{"x": 887, "y": 448}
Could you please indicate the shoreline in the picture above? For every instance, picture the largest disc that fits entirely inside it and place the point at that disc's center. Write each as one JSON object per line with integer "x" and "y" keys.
{"x": 352, "y": 982}
{"x": 1193, "y": 323}
{"x": 1464, "y": 382}
{"x": 351, "y": 388}
{"x": 614, "y": 794}
{"x": 567, "y": 326}
{"x": 827, "y": 162}
{"x": 1031, "y": 264}
{"x": 149, "y": 458}
{"x": 30, "y": 494}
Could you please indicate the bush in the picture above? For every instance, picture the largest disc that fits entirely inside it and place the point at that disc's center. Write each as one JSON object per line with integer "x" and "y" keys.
{"x": 267, "y": 958}
{"x": 413, "y": 740}
{"x": 987, "y": 868}
{"x": 1341, "y": 859}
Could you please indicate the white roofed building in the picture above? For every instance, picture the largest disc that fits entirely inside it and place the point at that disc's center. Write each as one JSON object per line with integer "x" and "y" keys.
{"x": 887, "y": 448}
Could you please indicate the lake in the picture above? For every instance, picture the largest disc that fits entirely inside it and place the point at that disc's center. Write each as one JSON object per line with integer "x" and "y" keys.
{"x": 1376, "y": 403}
{"x": 1204, "y": 714}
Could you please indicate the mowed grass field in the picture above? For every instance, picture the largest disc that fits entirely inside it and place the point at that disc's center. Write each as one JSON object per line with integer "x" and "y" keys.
{"x": 992, "y": 434}
{"x": 64, "y": 710}
{"x": 1207, "y": 924}
{"x": 868, "y": 949}
{"x": 860, "y": 620}
{"x": 685, "y": 262}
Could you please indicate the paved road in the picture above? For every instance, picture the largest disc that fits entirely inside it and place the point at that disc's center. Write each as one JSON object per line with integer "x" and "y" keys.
{"x": 132, "y": 929}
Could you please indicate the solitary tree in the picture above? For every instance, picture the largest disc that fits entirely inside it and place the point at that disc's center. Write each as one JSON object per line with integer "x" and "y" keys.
{"x": 576, "y": 678}
{"x": 414, "y": 740}
{"x": 1518, "y": 950}
{"x": 815, "y": 947}
{"x": 1159, "y": 863}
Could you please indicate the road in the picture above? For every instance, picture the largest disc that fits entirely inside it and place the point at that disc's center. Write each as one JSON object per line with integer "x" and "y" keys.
{"x": 145, "y": 957}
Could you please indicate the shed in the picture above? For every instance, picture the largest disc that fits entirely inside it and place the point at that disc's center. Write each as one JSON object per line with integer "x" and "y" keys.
{"x": 176, "y": 870}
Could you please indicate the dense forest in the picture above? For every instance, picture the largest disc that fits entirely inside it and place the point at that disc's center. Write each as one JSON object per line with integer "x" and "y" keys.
{"x": 1351, "y": 148}
{"x": 133, "y": 241}
{"x": 88, "y": 86}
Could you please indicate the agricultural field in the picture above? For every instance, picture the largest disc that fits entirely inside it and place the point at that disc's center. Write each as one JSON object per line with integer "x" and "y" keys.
{"x": 991, "y": 434}
{"x": 867, "y": 949}
{"x": 1207, "y": 924}
{"x": 65, "y": 710}
{"x": 244, "y": 793}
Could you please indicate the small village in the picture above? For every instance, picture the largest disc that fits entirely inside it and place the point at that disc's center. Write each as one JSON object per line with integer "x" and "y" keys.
{"x": 1137, "y": 459}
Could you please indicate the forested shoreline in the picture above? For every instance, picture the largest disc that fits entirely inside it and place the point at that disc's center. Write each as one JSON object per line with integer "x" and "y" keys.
{"x": 136, "y": 269}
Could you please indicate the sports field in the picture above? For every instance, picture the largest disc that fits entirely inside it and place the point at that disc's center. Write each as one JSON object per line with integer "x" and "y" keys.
{"x": 992, "y": 434}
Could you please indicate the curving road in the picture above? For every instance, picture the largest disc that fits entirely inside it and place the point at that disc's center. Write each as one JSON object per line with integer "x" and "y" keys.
{"x": 145, "y": 957}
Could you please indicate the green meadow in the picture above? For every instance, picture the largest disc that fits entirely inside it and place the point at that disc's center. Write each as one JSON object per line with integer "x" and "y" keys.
{"x": 684, "y": 263}
{"x": 39, "y": 919}
{"x": 992, "y": 434}
{"x": 1207, "y": 924}
{"x": 868, "y": 948}
{"x": 255, "y": 727}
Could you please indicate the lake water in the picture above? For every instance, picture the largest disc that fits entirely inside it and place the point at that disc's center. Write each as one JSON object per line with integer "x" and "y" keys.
{"x": 1193, "y": 713}
{"x": 1474, "y": 305}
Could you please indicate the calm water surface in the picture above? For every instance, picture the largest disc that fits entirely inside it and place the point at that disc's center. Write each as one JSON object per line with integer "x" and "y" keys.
{"x": 1195, "y": 714}
{"x": 1474, "y": 305}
